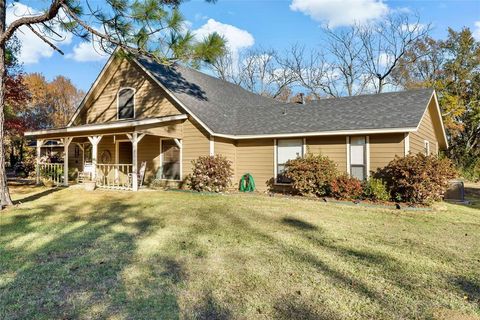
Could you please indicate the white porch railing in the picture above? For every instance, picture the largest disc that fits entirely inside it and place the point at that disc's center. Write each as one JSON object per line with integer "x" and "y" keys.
{"x": 52, "y": 171}
{"x": 114, "y": 176}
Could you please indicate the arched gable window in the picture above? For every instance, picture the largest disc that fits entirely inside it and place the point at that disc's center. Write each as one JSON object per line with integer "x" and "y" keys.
{"x": 126, "y": 103}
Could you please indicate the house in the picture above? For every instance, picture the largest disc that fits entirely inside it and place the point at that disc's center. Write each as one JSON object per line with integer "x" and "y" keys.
{"x": 166, "y": 116}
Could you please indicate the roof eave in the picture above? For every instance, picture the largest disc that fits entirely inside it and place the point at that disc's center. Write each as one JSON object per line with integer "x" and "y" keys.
{"x": 105, "y": 126}
{"x": 317, "y": 133}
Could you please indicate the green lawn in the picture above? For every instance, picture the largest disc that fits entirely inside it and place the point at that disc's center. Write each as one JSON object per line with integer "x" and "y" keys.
{"x": 71, "y": 254}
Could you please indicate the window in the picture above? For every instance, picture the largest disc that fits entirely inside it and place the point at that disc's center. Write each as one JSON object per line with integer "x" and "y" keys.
{"x": 358, "y": 157}
{"x": 170, "y": 160}
{"x": 126, "y": 103}
{"x": 287, "y": 150}
{"x": 426, "y": 147}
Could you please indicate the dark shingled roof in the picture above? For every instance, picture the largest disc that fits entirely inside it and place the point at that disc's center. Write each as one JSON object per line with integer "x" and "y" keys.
{"x": 227, "y": 108}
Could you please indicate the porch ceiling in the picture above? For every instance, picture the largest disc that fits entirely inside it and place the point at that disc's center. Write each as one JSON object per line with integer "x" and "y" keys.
{"x": 117, "y": 127}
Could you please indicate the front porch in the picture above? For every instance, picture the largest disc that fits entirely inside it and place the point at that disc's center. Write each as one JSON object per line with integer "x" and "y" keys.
{"x": 113, "y": 158}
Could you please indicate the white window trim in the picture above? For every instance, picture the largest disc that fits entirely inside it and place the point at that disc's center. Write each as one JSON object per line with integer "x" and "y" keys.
{"x": 181, "y": 161}
{"x": 367, "y": 156}
{"x": 426, "y": 145}
{"x": 212, "y": 146}
{"x": 134, "y": 104}
{"x": 347, "y": 143}
{"x": 275, "y": 157}
{"x": 406, "y": 142}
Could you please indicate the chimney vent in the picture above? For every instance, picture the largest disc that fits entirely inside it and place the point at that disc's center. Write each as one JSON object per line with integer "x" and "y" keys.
{"x": 302, "y": 98}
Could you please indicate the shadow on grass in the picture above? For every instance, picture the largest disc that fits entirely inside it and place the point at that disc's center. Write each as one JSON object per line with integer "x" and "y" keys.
{"x": 299, "y": 224}
{"x": 36, "y": 196}
{"x": 292, "y": 307}
{"x": 469, "y": 288}
{"x": 209, "y": 309}
{"x": 81, "y": 271}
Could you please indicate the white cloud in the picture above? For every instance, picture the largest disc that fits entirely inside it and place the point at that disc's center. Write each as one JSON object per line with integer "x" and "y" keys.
{"x": 341, "y": 12}
{"x": 33, "y": 48}
{"x": 87, "y": 51}
{"x": 476, "y": 31}
{"x": 236, "y": 38}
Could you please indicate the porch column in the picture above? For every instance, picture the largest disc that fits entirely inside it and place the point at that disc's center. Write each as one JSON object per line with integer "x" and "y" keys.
{"x": 135, "y": 139}
{"x": 94, "y": 140}
{"x": 66, "y": 144}
{"x": 40, "y": 143}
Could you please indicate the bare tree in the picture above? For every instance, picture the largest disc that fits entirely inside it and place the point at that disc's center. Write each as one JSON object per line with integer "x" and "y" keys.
{"x": 262, "y": 71}
{"x": 386, "y": 42}
{"x": 311, "y": 71}
{"x": 346, "y": 51}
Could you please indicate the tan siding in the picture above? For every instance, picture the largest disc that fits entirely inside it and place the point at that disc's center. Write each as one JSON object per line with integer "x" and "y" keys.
{"x": 150, "y": 100}
{"x": 106, "y": 146}
{"x": 195, "y": 143}
{"x": 425, "y": 131}
{"x": 384, "y": 147}
{"x": 149, "y": 150}
{"x": 333, "y": 147}
{"x": 256, "y": 157}
{"x": 227, "y": 148}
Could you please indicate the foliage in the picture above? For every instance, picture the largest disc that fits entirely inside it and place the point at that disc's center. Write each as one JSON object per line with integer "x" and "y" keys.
{"x": 375, "y": 190}
{"x": 346, "y": 187}
{"x": 211, "y": 174}
{"x": 28, "y": 164}
{"x": 311, "y": 175}
{"x": 417, "y": 178}
{"x": 451, "y": 67}
{"x": 472, "y": 172}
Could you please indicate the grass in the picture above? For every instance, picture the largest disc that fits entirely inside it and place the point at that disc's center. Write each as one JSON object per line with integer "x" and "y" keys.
{"x": 71, "y": 254}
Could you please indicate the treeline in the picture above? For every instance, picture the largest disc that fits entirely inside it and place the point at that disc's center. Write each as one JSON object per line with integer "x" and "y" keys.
{"x": 396, "y": 53}
{"x": 33, "y": 102}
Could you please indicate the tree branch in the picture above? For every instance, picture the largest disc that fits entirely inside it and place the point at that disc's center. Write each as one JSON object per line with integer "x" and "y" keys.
{"x": 48, "y": 15}
{"x": 38, "y": 34}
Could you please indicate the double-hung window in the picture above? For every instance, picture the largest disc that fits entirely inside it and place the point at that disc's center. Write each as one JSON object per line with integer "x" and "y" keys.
{"x": 426, "y": 146}
{"x": 287, "y": 149}
{"x": 358, "y": 168}
{"x": 126, "y": 103}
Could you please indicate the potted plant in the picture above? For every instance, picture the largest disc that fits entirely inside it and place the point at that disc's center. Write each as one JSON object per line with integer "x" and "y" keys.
{"x": 90, "y": 185}
{"x": 47, "y": 182}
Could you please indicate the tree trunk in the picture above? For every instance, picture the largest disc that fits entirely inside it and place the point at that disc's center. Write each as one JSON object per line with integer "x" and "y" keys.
{"x": 6, "y": 200}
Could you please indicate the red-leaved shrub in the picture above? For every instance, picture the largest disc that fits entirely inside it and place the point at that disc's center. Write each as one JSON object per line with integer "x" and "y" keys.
{"x": 211, "y": 174}
{"x": 417, "y": 178}
{"x": 346, "y": 187}
{"x": 311, "y": 175}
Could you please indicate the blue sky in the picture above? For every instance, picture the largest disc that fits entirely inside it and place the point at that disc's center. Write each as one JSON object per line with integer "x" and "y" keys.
{"x": 270, "y": 24}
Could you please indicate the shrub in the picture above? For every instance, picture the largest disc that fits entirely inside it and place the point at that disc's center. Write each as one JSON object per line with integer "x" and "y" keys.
{"x": 417, "y": 178}
{"x": 311, "y": 175}
{"x": 376, "y": 190}
{"x": 27, "y": 166}
{"x": 210, "y": 173}
{"x": 346, "y": 187}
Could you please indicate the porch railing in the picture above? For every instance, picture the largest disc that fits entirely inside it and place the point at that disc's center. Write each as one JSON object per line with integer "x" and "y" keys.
{"x": 114, "y": 176}
{"x": 52, "y": 172}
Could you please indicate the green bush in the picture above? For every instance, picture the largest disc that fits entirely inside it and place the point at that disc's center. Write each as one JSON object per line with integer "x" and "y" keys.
{"x": 27, "y": 166}
{"x": 417, "y": 178}
{"x": 211, "y": 174}
{"x": 311, "y": 175}
{"x": 346, "y": 187}
{"x": 375, "y": 190}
